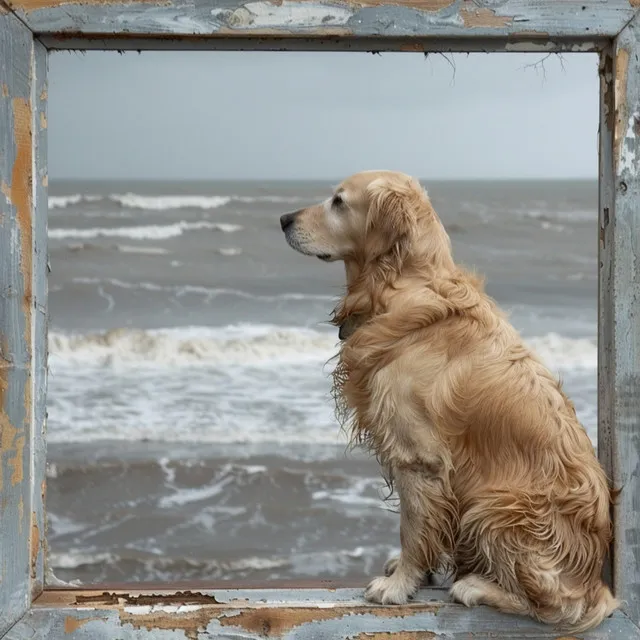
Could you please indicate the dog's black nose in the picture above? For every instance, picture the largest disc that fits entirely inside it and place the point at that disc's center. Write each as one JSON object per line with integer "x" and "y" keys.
{"x": 286, "y": 220}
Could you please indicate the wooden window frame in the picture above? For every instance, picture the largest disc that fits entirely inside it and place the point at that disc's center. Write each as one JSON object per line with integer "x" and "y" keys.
{"x": 31, "y": 28}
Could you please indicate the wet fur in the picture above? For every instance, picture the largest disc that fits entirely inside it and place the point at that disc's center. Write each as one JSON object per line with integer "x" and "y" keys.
{"x": 497, "y": 479}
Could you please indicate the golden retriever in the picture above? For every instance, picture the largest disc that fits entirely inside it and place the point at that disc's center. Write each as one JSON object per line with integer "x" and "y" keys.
{"x": 497, "y": 479}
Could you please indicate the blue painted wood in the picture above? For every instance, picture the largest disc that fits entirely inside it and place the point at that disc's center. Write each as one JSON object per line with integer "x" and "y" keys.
{"x": 469, "y": 19}
{"x": 21, "y": 348}
{"x": 620, "y": 314}
{"x": 291, "y": 614}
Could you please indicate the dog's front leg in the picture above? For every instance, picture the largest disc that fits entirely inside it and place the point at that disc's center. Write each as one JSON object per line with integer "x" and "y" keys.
{"x": 428, "y": 524}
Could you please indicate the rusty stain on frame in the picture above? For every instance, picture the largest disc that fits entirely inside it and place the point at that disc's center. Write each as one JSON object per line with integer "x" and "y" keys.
{"x": 21, "y": 182}
{"x": 35, "y": 544}
{"x": 621, "y": 70}
{"x": 483, "y": 17}
{"x": 71, "y": 624}
{"x": 32, "y": 5}
{"x": 275, "y": 622}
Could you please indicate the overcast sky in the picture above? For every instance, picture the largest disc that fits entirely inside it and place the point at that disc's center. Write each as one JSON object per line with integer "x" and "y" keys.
{"x": 216, "y": 115}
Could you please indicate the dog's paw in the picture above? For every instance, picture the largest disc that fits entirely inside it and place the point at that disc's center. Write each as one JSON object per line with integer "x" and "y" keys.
{"x": 390, "y": 565}
{"x": 467, "y": 591}
{"x": 394, "y": 589}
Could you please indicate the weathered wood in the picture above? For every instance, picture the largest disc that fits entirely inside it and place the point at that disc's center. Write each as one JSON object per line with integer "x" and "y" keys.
{"x": 605, "y": 309}
{"x": 375, "y": 44}
{"x": 619, "y": 386}
{"x": 296, "y": 614}
{"x": 515, "y": 19}
{"x": 22, "y": 346}
{"x": 404, "y": 25}
{"x": 40, "y": 319}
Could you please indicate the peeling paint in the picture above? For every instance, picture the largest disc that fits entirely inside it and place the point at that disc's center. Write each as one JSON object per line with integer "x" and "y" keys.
{"x": 32, "y": 5}
{"x": 21, "y": 199}
{"x": 627, "y": 157}
{"x": 43, "y": 120}
{"x": 67, "y": 20}
{"x": 605, "y": 71}
{"x": 285, "y": 14}
{"x": 44, "y": 94}
{"x": 190, "y": 622}
{"x": 35, "y": 544}
{"x": 483, "y": 17}
{"x": 163, "y": 608}
{"x": 275, "y": 622}
{"x": 622, "y": 67}
{"x": 8, "y": 432}
{"x": 45, "y": 180}
{"x": 6, "y": 190}
{"x": 179, "y": 598}
{"x": 397, "y": 635}
{"x": 71, "y": 624}
{"x": 5, "y": 90}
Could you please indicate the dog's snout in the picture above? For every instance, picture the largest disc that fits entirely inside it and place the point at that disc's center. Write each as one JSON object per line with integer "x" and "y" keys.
{"x": 287, "y": 219}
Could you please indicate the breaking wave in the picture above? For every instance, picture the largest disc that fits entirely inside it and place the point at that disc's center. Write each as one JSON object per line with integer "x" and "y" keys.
{"x": 146, "y": 232}
{"x": 167, "y": 202}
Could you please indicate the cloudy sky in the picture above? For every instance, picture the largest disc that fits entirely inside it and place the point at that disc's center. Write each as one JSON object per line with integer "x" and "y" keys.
{"x": 220, "y": 115}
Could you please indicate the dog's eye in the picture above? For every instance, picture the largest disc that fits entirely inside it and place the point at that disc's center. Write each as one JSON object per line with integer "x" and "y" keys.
{"x": 337, "y": 201}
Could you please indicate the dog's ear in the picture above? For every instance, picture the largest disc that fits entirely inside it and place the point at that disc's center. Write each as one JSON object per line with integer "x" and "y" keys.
{"x": 392, "y": 214}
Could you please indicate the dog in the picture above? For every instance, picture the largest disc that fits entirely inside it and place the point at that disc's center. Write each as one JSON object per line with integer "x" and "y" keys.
{"x": 497, "y": 479}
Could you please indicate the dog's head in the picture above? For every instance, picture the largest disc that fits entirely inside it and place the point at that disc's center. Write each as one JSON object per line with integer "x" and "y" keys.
{"x": 369, "y": 215}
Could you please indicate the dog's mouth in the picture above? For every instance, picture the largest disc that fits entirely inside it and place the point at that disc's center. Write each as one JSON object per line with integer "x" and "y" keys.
{"x": 295, "y": 243}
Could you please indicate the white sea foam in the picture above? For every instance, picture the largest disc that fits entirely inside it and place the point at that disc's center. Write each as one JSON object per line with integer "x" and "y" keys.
{"x": 241, "y": 344}
{"x": 245, "y": 343}
{"x": 168, "y": 202}
{"x": 152, "y": 251}
{"x": 146, "y": 232}
{"x": 566, "y": 354}
{"x": 60, "y": 202}
{"x": 164, "y": 203}
{"x": 244, "y": 384}
{"x": 229, "y": 251}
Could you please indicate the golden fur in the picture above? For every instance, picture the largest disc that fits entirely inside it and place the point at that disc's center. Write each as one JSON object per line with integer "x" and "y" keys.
{"x": 497, "y": 479}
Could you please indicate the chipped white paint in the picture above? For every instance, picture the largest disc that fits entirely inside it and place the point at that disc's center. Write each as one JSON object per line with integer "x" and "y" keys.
{"x": 269, "y": 15}
{"x": 628, "y": 156}
{"x": 164, "y": 23}
{"x": 145, "y": 610}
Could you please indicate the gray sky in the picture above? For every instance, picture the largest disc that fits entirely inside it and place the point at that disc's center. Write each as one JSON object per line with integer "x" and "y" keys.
{"x": 220, "y": 115}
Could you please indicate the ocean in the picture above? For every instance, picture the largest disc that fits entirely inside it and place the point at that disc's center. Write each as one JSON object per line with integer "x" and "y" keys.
{"x": 191, "y": 431}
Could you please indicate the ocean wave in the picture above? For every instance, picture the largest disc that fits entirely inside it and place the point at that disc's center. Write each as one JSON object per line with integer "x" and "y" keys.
{"x": 147, "y": 232}
{"x": 574, "y": 215}
{"x": 164, "y": 203}
{"x": 61, "y": 202}
{"x": 244, "y": 344}
{"x": 565, "y": 354}
{"x": 241, "y": 344}
{"x": 208, "y": 292}
{"x": 156, "y": 564}
{"x": 168, "y": 202}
